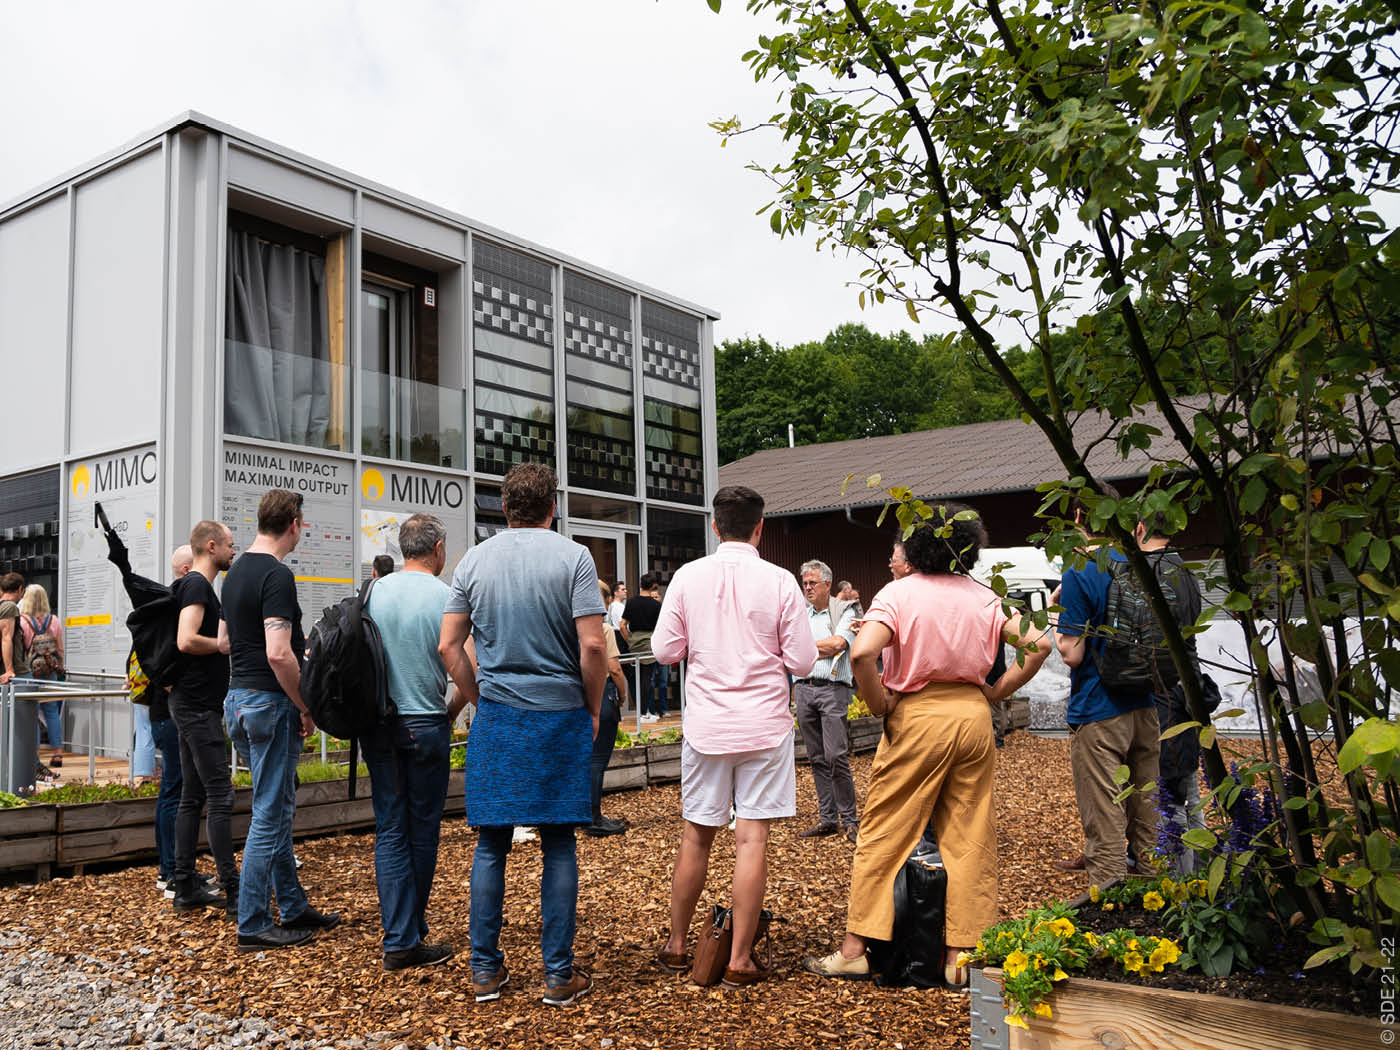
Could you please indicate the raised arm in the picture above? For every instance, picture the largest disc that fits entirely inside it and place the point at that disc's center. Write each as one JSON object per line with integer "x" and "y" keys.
{"x": 1033, "y": 643}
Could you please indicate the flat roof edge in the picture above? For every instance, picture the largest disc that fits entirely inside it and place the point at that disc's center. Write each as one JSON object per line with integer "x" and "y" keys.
{"x": 191, "y": 117}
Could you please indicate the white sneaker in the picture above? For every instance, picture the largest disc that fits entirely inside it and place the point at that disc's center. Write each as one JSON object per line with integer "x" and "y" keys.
{"x": 651, "y": 718}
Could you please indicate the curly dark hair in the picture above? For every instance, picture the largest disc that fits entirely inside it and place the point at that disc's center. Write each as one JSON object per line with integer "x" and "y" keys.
{"x": 930, "y": 553}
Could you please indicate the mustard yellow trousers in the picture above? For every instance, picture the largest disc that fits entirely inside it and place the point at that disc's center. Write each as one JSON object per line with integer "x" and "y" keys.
{"x": 937, "y": 758}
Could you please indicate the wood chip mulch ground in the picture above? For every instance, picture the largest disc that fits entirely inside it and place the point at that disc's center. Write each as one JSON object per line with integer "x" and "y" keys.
{"x": 335, "y": 989}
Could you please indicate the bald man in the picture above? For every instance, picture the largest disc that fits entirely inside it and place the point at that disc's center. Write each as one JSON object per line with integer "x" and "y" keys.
{"x": 181, "y": 561}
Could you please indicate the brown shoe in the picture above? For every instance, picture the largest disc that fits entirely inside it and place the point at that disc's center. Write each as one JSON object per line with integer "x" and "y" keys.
{"x": 819, "y": 831}
{"x": 1077, "y": 864}
{"x": 570, "y": 992}
{"x": 852, "y": 833}
{"x": 673, "y": 962}
{"x": 743, "y": 978}
{"x": 488, "y": 989}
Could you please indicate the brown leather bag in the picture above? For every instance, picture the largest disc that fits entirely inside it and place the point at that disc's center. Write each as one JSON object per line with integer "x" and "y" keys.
{"x": 716, "y": 943}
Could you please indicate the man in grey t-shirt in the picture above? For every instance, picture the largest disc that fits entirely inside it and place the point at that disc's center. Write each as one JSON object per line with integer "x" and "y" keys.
{"x": 529, "y": 600}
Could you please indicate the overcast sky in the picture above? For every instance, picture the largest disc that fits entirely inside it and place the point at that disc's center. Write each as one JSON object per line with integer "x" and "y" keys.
{"x": 578, "y": 124}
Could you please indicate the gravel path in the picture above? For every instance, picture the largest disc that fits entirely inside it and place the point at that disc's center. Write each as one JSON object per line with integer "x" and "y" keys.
{"x": 49, "y": 1002}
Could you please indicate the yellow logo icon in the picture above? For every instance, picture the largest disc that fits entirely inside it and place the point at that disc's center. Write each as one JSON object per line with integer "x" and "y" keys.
{"x": 372, "y": 484}
{"x": 82, "y": 481}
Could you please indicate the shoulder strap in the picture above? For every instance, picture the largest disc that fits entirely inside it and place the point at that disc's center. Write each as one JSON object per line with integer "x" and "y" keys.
{"x": 44, "y": 629}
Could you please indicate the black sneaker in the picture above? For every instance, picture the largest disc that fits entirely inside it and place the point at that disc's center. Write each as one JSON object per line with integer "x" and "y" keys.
{"x": 196, "y": 895}
{"x": 419, "y": 955}
{"x": 272, "y": 937}
{"x": 167, "y": 886}
{"x": 311, "y": 919}
{"x": 604, "y": 826}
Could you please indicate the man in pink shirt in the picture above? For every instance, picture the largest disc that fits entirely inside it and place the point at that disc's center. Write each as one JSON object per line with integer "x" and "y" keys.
{"x": 742, "y": 625}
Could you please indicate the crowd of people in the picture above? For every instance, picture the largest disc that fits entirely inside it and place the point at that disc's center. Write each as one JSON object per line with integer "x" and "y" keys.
{"x": 527, "y": 634}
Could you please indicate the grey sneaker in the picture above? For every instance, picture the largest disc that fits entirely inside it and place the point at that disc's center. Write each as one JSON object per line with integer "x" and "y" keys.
{"x": 570, "y": 992}
{"x": 488, "y": 989}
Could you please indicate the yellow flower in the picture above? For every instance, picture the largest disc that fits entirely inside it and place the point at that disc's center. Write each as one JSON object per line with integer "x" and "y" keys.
{"x": 1134, "y": 944}
{"x": 1059, "y": 975}
{"x": 1094, "y": 893}
{"x": 1015, "y": 964}
{"x": 980, "y": 948}
{"x": 1166, "y": 951}
{"x": 963, "y": 959}
{"x": 1199, "y": 888}
{"x": 1042, "y": 1009}
{"x": 1092, "y": 938}
{"x": 1017, "y": 1020}
{"x": 1108, "y": 906}
{"x": 1060, "y": 927}
{"x": 1152, "y": 901}
{"x": 1132, "y": 962}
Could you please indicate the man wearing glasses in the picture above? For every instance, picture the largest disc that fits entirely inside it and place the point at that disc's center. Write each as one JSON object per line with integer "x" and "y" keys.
{"x": 822, "y": 699}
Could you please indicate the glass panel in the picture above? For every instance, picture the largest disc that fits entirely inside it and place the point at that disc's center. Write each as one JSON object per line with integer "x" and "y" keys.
{"x": 598, "y": 360}
{"x": 673, "y": 538}
{"x": 604, "y": 551}
{"x": 675, "y": 468}
{"x": 513, "y": 317}
{"x": 285, "y": 397}
{"x": 598, "y": 508}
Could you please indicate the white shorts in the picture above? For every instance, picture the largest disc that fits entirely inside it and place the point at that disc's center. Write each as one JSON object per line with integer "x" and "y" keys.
{"x": 762, "y": 785}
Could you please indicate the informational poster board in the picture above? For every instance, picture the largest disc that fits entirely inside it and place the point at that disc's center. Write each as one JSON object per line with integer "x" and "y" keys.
{"x": 323, "y": 562}
{"x": 390, "y": 495}
{"x": 95, "y": 605}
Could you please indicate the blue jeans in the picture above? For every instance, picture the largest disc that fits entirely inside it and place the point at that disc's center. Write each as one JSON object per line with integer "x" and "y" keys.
{"x": 51, "y": 722}
{"x": 408, "y": 767}
{"x": 558, "y": 899}
{"x": 143, "y": 744}
{"x": 167, "y": 739}
{"x": 271, "y": 725}
{"x": 609, "y": 717}
{"x": 235, "y": 732}
{"x": 655, "y": 681}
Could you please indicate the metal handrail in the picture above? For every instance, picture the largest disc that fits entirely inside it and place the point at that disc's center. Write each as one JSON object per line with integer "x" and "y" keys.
{"x": 96, "y": 698}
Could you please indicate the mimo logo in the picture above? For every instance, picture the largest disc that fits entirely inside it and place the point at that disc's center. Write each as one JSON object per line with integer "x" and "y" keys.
{"x": 372, "y": 484}
{"x": 82, "y": 481}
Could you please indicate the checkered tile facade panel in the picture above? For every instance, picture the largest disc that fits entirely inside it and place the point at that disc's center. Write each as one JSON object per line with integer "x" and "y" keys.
{"x": 673, "y": 538}
{"x": 598, "y": 462}
{"x": 502, "y": 442}
{"x": 597, "y": 321}
{"x": 670, "y": 345}
{"x": 512, "y": 293}
{"x": 675, "y": 476}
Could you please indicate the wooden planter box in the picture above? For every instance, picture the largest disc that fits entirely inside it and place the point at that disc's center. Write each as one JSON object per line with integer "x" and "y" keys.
{"x": 864, "y": 733}
{"x": 626, "y": 769}
{"x": 663, "y": 763}
{"x": 27, "y": 836}
{"x": 1103, "y": 1014}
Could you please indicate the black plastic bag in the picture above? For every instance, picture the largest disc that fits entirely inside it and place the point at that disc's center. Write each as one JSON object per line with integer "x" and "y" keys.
{"x": 914, "y": 955}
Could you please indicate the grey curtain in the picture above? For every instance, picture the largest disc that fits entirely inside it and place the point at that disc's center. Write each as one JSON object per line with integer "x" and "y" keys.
{"x": 277, "y": 372}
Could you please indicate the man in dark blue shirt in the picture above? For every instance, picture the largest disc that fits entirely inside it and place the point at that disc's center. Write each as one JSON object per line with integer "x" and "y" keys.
{"x": 1107, "y": 729}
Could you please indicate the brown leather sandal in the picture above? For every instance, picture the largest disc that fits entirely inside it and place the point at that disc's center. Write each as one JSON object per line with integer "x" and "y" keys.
{"x": 673, "y": 962}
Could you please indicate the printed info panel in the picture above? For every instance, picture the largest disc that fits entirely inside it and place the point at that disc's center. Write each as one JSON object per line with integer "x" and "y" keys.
{"x": 323, "y": 562}
{"x": 95, "y": 603}
{"x": 391, "y": 495}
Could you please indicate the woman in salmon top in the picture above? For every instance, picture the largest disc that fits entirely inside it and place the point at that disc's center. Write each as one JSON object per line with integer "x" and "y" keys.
{"x": 940, "y": 631}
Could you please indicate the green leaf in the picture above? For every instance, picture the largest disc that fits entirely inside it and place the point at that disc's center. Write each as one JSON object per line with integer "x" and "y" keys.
{"x": 1200, "y": 838}
{"x": 1378, "y": 850}
{"x": 1253, "y": 496}
{"x": 1217, "y": 874}
{"x": 1372, "y": 584}
{"x": 1326, "y": 955}
{"x": 1380, "y": 553}
{"x": 1121, "y": 775}
{"x": 1178, "y": 729}
{"x": 909, "y": 309}
{"x": 1388, "y": 886}
{"x": 1208, "y": 737}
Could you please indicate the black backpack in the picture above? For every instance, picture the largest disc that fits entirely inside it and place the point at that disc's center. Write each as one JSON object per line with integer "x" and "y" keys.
{"x": 914, "y": 954}
{"x": 154, "y": 624}
{"x": 1134, "y": 657}
{"x": 344, "y": 679}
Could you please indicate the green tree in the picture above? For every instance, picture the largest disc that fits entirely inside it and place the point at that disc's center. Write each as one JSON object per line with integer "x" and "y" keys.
{"x": 1194, "y": 186}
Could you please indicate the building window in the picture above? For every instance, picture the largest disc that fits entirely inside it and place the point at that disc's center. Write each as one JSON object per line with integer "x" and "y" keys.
{"x": 671, "y": 389}
{"x": 598, "y": 392}
{"x": 29, "y": 529}
{"x": 406, "y": 412}
{"x": 674, "y": 537}
{"x": 285, "y": 374}
{"x": 513, "y": 343}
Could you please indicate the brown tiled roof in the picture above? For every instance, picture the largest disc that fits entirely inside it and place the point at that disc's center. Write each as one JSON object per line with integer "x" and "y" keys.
{"x": 951, "y": 463}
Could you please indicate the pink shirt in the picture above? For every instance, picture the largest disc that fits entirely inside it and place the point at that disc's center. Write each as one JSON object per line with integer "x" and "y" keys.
{"x": 946, "y": 629}
{"x": 741, "y": 622}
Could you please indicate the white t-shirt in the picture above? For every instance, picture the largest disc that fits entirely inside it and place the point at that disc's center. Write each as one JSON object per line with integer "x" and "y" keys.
{"x": 615, "y": 615}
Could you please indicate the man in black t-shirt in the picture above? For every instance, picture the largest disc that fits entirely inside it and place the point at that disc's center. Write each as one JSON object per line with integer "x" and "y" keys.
{"x": 639, "y": 618}
{"x": 266, "y": 647}
{"x": 196, "y": 703}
